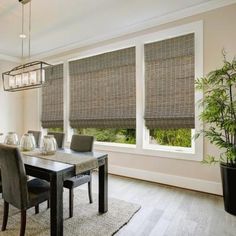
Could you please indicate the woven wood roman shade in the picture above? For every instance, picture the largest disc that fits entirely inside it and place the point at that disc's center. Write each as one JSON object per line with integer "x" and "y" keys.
{"x": 102, "y": 90}
{"x": 169, "y": 83}
{"x": 52, "y": 97}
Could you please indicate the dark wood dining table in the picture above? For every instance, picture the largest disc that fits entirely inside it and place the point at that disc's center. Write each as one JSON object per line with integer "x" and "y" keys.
{"x": 56, "y": 173}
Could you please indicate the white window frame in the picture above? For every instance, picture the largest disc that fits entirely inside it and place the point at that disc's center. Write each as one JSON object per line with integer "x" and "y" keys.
{"x": 195, "y": 152}
{"x": 142, "y": 146}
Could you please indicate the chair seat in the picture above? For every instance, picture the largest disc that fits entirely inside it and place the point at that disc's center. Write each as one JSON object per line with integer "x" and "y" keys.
{"x": 76, "y": 181}
{"x": 39, "y": 191}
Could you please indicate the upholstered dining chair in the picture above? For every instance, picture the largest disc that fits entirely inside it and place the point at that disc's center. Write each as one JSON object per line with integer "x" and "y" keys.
{"x": 0, "y": 183}
{"x": 37, "y": 136}
{"x": 79, "y": 143}
{"x": 59, "y": 138}
{"x": 16, "y": 190}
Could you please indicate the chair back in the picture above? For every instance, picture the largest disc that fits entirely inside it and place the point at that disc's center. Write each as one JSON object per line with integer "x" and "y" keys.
{"x": 82, "y": 143}
{"x": 0, "y": 183}
{"x": 14, "y": 179}
{"x": 59, "y": 138}
{"x": 37, "y": 136}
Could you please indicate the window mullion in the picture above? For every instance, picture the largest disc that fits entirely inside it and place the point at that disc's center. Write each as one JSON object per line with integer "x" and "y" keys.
{"x": 139, "y": 95}
{"x": 66, "y": 98}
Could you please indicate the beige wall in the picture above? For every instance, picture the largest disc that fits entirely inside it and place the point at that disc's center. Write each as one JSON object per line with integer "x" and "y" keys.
{"x": 219, "y": 33}
{"x": 11, "y": 104}
{"x": 32, "y": 112}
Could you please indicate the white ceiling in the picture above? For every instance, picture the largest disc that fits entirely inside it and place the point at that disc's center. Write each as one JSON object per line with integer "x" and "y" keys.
{"x": 56, "y": 24}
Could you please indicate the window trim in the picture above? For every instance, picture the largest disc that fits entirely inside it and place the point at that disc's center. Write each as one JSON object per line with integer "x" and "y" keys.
{"x": 196, "y": 151}
{"x": 142, "y": 147}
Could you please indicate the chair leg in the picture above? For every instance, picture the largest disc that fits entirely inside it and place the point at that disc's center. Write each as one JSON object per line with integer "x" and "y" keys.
{"x": 71, "y": 202}
{"x": 37, "y": 209}
{"x": 48, "y": 204}
{"x": 5, "y": 216}
{"x": 90, "y": 192}
{"x": 23, "y": 222}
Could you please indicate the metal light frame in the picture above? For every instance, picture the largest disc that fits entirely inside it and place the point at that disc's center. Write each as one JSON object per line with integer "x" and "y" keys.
{"x": 25, "y": 68}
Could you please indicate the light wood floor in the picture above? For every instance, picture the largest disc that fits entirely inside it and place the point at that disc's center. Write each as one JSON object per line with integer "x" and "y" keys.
{"x": 170, "y": 211}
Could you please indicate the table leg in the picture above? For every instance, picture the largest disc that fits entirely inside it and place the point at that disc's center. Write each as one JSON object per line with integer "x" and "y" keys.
{"x": 103, "y": 187}
{"x": 56, "y": 204}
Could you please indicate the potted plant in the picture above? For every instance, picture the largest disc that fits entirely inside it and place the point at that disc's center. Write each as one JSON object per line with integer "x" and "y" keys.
{"x": 219, "y": 117}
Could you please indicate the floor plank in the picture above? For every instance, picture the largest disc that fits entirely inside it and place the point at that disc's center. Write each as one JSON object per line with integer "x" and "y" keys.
{"x": 168, "y": 211}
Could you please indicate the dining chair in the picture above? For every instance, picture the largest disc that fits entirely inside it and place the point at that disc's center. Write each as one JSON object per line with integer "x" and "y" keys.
{"x": 79, "y": 143}
{"x": 0, "y": 183}
{"x": 16, "y": 190}
{"x": 59, "y": 136}
{"x": 37, "y": 136}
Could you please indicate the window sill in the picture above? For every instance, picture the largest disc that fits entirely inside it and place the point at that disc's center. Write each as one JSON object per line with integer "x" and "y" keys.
{"x": 174, "y": 149}
{"x": 109, "y": 145}
{"x": 177, "y": 153}
{"x": 119, "y": 145}
{"x": 148, "y": 150}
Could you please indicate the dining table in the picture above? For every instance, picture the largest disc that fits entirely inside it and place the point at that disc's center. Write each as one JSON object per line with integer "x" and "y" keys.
{"x": 57, "y": 172}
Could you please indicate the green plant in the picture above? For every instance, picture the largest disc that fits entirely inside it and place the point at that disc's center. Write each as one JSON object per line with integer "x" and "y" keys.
{"x": 110, "y": 135}
{"x": 55, "y": 129}
{"x": 219, "y": 111}
{"x": 172, "y": 137}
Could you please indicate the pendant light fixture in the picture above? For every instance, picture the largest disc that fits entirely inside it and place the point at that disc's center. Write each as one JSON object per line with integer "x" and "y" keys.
{"x": 28, "y": 75}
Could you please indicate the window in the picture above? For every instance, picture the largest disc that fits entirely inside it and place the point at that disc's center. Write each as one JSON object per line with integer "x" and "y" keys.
{"x": 127, "y": 136}
{"x": 102, "y": 96}
{"x": 52, "y": 98}
{"x": 55, "y": 130}
{"x": 138, "y": 92}
{"x": 171, "y": 137}
{"x": 169, "y": 90}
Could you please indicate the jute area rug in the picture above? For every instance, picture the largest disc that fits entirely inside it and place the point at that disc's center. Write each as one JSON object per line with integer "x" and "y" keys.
{"x": 85, "y": 222}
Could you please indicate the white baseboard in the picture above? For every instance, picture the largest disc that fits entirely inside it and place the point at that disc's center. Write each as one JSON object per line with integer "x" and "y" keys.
{"x": 174, "y": 180}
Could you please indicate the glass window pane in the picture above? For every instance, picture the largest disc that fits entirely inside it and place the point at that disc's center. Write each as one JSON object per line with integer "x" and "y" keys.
{"x": 110, "y": 135}
{"x": 55, "y": 129}
{"x": 171, "y": 137}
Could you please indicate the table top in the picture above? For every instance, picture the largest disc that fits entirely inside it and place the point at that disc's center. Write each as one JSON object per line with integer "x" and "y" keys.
{"x": 45, "y": 164}
{"x": 97, "y": 155}
{"x": 55, "y": 166}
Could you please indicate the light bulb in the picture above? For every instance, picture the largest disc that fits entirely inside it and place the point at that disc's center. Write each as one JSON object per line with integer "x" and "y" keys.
{"x": 33, "y": 77}
{"x": 25, "y": 79}
{"x": 12, "y": 81}
{"x": 18, "y": 80}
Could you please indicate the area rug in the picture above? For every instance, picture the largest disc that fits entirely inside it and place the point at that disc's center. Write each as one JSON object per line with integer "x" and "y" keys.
{"x": 85, "y": 222}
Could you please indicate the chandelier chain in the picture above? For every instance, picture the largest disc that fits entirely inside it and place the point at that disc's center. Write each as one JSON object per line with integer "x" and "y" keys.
{"x": 22, "y": 32}
{"x": 29, "y": 29}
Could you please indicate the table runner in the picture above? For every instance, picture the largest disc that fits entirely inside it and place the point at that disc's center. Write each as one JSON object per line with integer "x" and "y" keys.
{"x": 81, "y": 162}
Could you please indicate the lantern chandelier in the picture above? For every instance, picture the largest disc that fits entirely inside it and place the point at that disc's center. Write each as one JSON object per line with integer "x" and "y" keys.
{"x": 29, "y": 75}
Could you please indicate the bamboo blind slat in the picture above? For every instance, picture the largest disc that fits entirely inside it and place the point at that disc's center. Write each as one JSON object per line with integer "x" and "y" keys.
{"x": 52, "y": 97}
{"x": 169, "y": 83}
{"x": 102, "y": 90}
